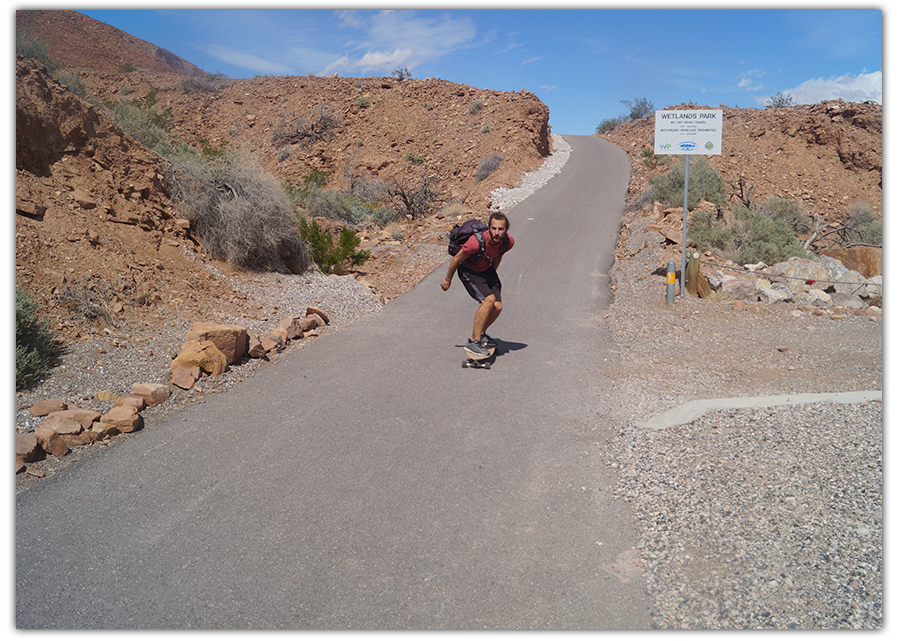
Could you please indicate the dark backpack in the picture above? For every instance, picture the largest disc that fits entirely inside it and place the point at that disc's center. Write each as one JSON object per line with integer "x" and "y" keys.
{"x": 461, "y": 233}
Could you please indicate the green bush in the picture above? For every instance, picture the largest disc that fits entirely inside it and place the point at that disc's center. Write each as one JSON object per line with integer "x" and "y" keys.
{"x": 862, "y": 226}
{"x": 332, "y": 257}
{"x": 745, "y": 236}
{"x": 34, "y": 343}
{"x": 638, "y": 108}
{"x": 241, "y": 214}
{"x": 704, "y": 183}
{"x": 72, "y": 82}
{"x": 33, "y": 48}
{"x": 363, "y": 102}
{"x": 207, "y": 83}
{"x": 475, "y": 106}
{"x": 610, "y": 123}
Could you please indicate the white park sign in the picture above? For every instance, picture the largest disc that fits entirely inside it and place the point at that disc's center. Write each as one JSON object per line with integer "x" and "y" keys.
{"x": 693, "y": 132}
{"x": 698, "y": 131}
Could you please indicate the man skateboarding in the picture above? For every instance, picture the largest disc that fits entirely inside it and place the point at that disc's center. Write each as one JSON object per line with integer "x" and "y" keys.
{"x": 477, "y": 269}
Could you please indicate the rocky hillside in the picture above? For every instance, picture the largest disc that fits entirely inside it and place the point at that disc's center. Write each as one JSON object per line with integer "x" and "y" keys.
{"x": 826, "y": 156}
{"x": 93, "y": 219}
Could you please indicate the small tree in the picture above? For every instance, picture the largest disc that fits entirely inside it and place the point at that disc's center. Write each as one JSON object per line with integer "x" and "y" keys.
{"x": 401, "y": 74}
{"x": 638, "y": 108}
{"x": 780, "y": 100}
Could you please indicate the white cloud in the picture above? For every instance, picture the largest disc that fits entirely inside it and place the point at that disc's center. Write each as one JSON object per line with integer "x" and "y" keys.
{"x": 401, "y": 38}
{"x": 246, "y": 60}
{"x": 535, "y": 59}
{"x": 748, "y": 78}
{"x": 865, "y": 86}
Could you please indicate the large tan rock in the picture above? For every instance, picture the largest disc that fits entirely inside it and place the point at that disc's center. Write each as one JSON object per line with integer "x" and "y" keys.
{"x": 27, "y": 448}
{"x": 44, "y": 407}
{"x": 866, "y": 260}
{"x": 203, "y": 354}
{"x": 231, "y": 340}
{"x": 315, "y": 310}
{"x": 256, "y": 349}
{"x": 152, "y": 393}
{"x": 50, "y": 441}
{"x": 184, "y": 377}
{"x": 137, "y": 402}
{"x": 62, "y": 424}
{"x": 125, "y": 418}
{"x": 84, "y": 417}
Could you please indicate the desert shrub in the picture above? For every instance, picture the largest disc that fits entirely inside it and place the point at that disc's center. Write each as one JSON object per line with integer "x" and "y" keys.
{"x": 294, "y": 129}
{"x": 72, "y": 82}
{"x": 487, "y": 166}
{"x": 704, "y": 183}
{"x": 409, "y": 200}
{"x": 363, "y": 102}
{"x": 610, "y": 123}
{"x": 475, "y": 106}
{"x": 745, "y": 236}
{"x": 780, "y": 100}
{"x": 33, "y": 48}
{"x": 366, "y": 213}
{"x": 328, "y": 255}
{"x": 34, "y": 343}
{"x": 789, "y": 211}
{"x": 862, "y": 227}
{"x": 241, "y": 214}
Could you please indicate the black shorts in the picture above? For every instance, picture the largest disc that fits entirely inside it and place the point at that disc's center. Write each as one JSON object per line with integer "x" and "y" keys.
{"x": 480, "y": 285}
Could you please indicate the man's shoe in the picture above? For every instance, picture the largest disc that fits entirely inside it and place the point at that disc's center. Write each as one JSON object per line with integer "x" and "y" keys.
{"x": 477, "y": 348}
{"x": 487, "y": 342}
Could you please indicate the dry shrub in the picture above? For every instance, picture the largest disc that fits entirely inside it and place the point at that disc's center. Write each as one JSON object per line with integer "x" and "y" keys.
{"x": 240, "y": 212}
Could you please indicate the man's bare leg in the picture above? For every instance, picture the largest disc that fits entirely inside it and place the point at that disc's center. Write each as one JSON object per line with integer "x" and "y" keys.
{"x": 485, "y": 316}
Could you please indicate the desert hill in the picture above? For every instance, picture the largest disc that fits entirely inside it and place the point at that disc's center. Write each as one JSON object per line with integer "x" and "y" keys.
{"x": 92, "y": 214}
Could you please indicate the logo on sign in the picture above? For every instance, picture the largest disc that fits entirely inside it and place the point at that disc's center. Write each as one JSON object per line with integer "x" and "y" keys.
{"x": 687, "y": 145}
{"x": 665, "y": 146}
{"x": 709, "y": 146}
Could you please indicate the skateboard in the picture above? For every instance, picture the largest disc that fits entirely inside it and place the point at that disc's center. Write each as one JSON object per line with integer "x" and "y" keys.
{"x": 477, "y": 361}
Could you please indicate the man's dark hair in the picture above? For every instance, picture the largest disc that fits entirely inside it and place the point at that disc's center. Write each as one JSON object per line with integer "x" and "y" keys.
{"x": 500, "y": 216}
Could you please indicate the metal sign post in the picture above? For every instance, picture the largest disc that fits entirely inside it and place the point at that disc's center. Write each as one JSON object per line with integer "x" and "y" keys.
{"x": 692, "y": 132}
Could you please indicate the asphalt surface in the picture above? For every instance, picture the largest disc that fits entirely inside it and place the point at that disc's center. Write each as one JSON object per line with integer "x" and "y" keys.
{"x": 368, "y": 481}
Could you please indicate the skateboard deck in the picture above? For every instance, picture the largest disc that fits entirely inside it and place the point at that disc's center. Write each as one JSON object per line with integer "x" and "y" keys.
{"x": 477, "y": 361}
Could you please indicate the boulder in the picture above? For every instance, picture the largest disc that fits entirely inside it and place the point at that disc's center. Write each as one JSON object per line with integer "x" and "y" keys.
{"x": 152, "y": 393}
{"x": 27, "y": 448}
{"x": 50, "y": 441}
{"x": 851, "y": 282}
{"x": 848, "y": 300}
{"x": 816, "y": 298}
{"x": 800, "y": 274}
{"x": 203, "y": 354}
{"x": 62, "y": 424}
{"x": 866, "y": 260}
{"x": 184, "y": 377}
{"x": 739, "y": 289}
{"x": 231, "y": 340}
{"x": 874, "y": 288}
{"x": 44, "y": 407}
{"x": 271, "y": 344}
{"x": 85, "y": 418}
{"x": 291, "y": 327}
{"x": 82, "y": 438}
{"x": 255, "y": 348}
{"x": 104, "y": 430}
{"x": 136, "y": 402}
{"x": 125, "y": 418}
{"x": 771, "y": 294}
{"x": 315, "y": 310}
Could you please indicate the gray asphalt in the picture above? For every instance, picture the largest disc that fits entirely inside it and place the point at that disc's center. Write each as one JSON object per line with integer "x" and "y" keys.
{"x": 368, "y": 481}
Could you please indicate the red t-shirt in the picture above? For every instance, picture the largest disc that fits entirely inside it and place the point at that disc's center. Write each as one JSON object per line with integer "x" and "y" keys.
{"x": 471, "y": 247}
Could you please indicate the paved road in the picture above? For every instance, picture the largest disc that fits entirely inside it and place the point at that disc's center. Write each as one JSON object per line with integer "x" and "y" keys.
{"x": 368, "y": 481}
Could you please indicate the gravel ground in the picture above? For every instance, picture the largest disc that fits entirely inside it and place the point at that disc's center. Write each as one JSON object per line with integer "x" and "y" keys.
{"x": 754, "y": 518}
{"x": 767, "y": 518}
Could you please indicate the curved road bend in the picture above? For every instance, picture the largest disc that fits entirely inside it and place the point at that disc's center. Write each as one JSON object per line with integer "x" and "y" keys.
{"x": 368, "y": 481}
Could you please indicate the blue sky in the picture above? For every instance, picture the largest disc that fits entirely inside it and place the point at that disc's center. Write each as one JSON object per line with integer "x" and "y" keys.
{"x": 582, "y": 63}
